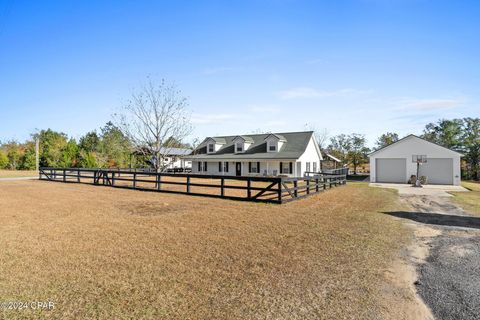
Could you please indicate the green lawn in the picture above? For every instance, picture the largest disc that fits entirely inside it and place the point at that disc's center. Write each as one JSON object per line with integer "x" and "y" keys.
{"x": 470, "y": 201}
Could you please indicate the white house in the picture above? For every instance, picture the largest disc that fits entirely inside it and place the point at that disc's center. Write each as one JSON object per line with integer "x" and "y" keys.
{"x": 395, "y": 163}
{"x": 271, "y": 154}
{"x": 174, "y": 158}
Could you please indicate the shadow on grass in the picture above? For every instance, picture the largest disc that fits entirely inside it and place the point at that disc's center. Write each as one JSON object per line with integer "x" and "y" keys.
{"x": 438, "y": 219}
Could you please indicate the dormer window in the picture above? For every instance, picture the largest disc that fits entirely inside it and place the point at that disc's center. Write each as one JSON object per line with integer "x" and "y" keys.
{"x": 211, "y": 148}
{"x": 274, "y": 142}
{"x": 239, "y": 147}
{"x": 272, "y": 146}
{"x": 214, "y": 144}
{"x": 242, "y": 143}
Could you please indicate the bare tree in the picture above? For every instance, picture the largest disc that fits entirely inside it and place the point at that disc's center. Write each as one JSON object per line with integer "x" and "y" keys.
{"x": 155, "y": 119}
{"x": 321, "y": 135}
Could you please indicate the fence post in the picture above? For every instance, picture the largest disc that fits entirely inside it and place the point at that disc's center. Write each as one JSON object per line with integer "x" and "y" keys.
{"x": 308, "y": 185}
{"x": 64, "y": 176}
{"x": 135, "y": 180}
{"x": 222, "y": 187}
{"x": 159, "y": 181}
{"x": 279, "y": 190}
{"x": 316, "y": 184}
{"x": 249, "y": 190}
{"x": 113, "y": 179}
{"x": 78, "y": 175}
{"x": 188, "y": 184}
{"x": 295, "y": 187}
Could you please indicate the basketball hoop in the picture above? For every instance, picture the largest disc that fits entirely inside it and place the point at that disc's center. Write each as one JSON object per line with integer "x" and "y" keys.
{"x": 419, "y": 159}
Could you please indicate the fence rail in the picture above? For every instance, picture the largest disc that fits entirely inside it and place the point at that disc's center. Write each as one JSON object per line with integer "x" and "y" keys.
{"x": 259, "y": 189}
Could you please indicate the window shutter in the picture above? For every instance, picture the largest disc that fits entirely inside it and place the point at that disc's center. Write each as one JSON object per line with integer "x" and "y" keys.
{"x": 226, "y": 166}
{"x": 199, "y": 166}
{"x": 220, "y": 166}
{"x": 258, "y": 167}
{"x": 281, "y": 167}
{"x": 205, "y": 165}
{"x": 291, "y": 167}
{"x": 249, "y": 167}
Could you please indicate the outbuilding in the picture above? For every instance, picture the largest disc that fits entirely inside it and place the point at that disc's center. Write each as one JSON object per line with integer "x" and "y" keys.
{"x": 396, "y": 162}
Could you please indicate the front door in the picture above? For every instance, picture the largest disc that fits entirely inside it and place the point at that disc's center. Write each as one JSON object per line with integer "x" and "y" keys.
{"x": 238, "y": 168}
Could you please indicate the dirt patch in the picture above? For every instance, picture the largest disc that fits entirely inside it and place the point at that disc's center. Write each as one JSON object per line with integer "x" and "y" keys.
{"x": 445, "y": 254}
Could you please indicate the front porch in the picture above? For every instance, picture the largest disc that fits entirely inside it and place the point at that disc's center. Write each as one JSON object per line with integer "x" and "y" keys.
{"x": 258, "y": 168}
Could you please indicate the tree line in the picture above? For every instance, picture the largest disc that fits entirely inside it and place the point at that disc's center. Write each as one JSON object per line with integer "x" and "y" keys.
{"x": 155, "y": 119}
{"x": 152, "y": 122}
{"x": 461, "y": 135}
{"x": 104, "y": 149}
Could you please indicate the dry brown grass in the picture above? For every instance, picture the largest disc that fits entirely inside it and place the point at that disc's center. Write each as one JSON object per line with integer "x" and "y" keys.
{"x": 470, "y": 201}
{"x": 18, "y": 173}
{"x": 100, "y": 252}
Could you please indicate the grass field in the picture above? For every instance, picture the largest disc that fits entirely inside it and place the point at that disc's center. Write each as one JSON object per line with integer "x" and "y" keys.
{"x": 18, "y": 173}
{"x": 105, "y": 253}
{"x": 470, "y": 201}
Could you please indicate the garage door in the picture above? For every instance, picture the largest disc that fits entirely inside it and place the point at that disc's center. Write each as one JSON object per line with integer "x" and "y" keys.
{"x": 438, "y": 170}
{"x": 391, "y": 170}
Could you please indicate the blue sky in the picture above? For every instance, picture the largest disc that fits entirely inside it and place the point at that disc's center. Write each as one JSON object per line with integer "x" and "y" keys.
{"x": 365, "y": 66}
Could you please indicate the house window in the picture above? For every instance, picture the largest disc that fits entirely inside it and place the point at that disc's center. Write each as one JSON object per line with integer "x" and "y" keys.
{"x": 272, "y": 146}
{"x": 220, "y": 167}
{"x": 285, "y": 167}
{"x": 211, "y": 148}
{"x": 314, "y": 166}
{"x": 307, "y": 167}
{"x": 239, "y": 146}
{"x": 254, "y": 167}
{"x": 205, "y": 166}
{"x": 199, "y": 166}
{"x": 225, "y": 166}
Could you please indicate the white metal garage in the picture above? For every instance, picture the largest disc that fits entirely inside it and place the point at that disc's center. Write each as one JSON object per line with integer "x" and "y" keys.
{"x": 438, "y": 170}
{"x": 391, "y": 170}
{"x": 396, "y": 163}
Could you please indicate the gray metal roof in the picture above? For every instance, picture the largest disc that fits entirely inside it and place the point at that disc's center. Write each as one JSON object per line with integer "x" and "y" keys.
{"x": 293, "y": 148}
{"x": 175, "y": 151}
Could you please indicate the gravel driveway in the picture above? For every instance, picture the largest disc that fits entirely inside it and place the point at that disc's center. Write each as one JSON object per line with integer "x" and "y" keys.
{"x": 449, "y": 274}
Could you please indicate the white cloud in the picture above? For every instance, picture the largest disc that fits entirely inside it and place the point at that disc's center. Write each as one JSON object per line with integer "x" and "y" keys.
{"x": 431, "y": 104}
{"x": 213, "y": 118}
{"x": 308, "y": 92}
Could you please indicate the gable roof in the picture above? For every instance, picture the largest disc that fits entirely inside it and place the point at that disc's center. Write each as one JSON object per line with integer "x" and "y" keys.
{"x": 278, "y": 136}
{"x": 413, "y": 136}
{"x": 293, "y": 148}
{"x": 218, "y": 140}
{"x": 245, "y": 138}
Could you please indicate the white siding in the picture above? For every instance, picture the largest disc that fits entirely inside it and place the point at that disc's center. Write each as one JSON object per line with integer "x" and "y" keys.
{"x": 413, "y": 145}
{"x": 311, "y": 154}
